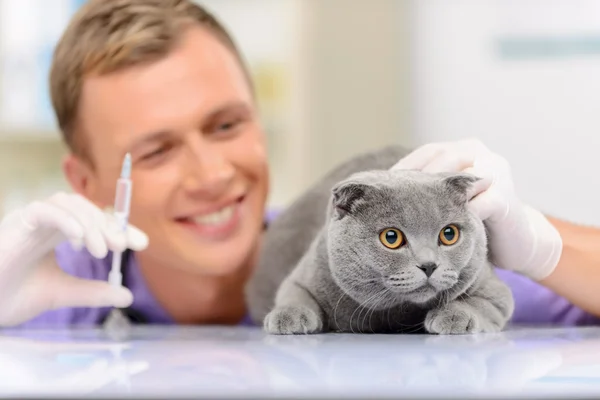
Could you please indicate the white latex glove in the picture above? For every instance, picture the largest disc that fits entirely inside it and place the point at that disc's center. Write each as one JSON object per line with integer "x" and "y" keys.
{"x": 521, "y": 239}
{"x": 31, "y": 281}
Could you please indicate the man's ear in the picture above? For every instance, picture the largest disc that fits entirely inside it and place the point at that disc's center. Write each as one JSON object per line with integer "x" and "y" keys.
{"x": 348, "y": 197}
{"x": 80, "y": 176}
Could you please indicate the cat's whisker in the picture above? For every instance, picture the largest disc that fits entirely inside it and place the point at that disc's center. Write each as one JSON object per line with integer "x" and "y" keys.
{"x": 390, "y": 303}
{"x": 446, "y": 298}
{"x": 335, "y": 311}
{"x": 357, "y": 281}
{"x": 382, "y": 296}
{"x": 367, "y": 306}
{"x": 409, "y": 328}
{"x": 400, "y": 308}
{"x": 464, "y": 291}
{"x": 362, "y": 324}
{"x": 360, "y": 307}
{"x": 390, "y": 300}
{"x": 414, "y": 328}
{"x": 388, "y": 306}
{"x": 354, "y": 286}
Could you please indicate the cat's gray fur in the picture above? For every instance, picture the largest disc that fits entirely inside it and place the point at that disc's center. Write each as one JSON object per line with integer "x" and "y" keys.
{"x": 348, "y": 281}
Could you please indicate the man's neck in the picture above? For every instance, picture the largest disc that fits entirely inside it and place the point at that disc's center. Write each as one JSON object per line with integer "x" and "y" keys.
{"x": 197, "y": 299}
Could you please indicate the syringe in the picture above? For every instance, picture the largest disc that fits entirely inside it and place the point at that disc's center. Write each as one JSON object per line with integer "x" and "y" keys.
{"x": 121, "y": 213}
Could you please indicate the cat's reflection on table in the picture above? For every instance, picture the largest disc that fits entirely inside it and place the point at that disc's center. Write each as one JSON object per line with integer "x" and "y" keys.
{"x": 362, "y": 363}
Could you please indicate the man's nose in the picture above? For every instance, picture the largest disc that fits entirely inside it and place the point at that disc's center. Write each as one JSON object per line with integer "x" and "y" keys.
{"x": 208, "y": 171}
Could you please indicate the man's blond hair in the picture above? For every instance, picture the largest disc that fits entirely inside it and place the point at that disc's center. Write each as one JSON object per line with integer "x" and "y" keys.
{"x": 105, "y": 36}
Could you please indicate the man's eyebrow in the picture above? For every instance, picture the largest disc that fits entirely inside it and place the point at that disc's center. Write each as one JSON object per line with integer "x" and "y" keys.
{"x": 231, "y": 106}
{"x": 149, "y": 138}
{"x": 236, "y": 106}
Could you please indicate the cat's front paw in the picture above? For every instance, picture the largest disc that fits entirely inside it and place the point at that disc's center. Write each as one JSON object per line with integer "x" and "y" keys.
{"x": 453, "y": 319}
{"x": 289, "y": 320}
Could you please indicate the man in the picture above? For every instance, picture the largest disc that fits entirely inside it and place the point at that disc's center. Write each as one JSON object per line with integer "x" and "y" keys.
{"x": 162, "y": 80}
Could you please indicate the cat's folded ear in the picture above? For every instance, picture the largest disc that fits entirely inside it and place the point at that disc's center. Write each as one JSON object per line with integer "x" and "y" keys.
{"x": 460, "y": 185}
{"x": 348, "y": 196}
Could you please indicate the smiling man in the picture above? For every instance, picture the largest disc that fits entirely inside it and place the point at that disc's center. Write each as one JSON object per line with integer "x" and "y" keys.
{"x": 172, "y": 90}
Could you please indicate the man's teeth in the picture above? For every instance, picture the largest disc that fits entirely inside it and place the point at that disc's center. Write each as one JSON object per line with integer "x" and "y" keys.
{"x": 216, "y": 218}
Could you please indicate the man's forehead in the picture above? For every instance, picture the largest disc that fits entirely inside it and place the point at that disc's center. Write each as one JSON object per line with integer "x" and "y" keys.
{"x": 153, "y": 98}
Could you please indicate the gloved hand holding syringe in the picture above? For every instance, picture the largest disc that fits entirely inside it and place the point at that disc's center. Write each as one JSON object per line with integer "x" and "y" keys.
{"x": 28, "y": 237}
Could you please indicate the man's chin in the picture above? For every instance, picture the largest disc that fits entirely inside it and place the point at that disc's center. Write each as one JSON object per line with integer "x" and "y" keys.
{"x": 217, "y": 263}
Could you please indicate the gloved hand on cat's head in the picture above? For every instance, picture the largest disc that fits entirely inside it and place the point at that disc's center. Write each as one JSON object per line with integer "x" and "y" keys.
{"x": 521, "y": 238}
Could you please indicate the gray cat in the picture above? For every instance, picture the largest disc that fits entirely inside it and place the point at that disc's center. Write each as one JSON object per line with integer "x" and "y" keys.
{"x": 399, "y": 252}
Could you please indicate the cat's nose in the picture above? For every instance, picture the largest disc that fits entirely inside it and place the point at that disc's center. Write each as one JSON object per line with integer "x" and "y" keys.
{"x": 428, "y": 268}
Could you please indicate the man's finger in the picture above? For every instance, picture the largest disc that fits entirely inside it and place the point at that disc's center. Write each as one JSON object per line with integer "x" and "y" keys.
{"x": 482, "y": 184}
{"x": 137, "y": 240}
{"x": 450, "y": 162}
{"x": 40, "y": 215}
{"x": 70, "y": 291}
{"x": 488, "y": 205}
{"x": 83, "y": 213}
{"x": 419, "y": 158}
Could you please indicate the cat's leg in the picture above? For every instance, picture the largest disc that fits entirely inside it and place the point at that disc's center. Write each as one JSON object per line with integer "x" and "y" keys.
{"x": 296, "y": 311}
{"x": 486, "y": 309}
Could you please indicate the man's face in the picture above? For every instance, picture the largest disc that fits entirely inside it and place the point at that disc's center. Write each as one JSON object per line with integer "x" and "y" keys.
{"x": 199, "y": 173}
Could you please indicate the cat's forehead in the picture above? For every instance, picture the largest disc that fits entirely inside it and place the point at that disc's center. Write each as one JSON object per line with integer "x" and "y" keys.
{"x": 421, "y": 200}
{"x": 414, "y": 187}
{"x": 400, "y": 179}
{"x": 415, "y": 200}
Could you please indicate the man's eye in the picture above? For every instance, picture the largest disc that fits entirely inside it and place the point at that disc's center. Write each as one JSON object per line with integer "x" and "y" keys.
{"x": 155, "y": 153}
{"x": 227, "y": 126}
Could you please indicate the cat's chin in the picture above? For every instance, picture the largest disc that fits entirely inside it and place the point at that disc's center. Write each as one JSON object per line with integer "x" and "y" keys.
{"x": 422, "y": 295}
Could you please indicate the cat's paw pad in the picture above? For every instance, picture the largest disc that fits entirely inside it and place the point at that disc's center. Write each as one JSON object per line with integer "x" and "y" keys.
{"x": 452, "y": 321}
{"x": 291, "y": 320}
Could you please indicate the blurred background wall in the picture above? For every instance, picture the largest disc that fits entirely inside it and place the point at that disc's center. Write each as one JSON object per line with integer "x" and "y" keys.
{"x": 524, "y": 77}
{"x": 338, "y": 77}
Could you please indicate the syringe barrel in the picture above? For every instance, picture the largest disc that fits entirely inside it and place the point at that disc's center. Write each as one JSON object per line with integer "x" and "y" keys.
{"x": 123, "y": 197}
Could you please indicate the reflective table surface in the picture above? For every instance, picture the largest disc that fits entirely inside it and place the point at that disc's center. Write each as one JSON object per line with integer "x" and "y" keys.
{"x": 244, "y": 362}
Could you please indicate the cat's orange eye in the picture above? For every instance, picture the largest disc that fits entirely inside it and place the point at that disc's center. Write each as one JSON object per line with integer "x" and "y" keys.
{"x": 449, "y": 235}
{"x": 391, "y": 238}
